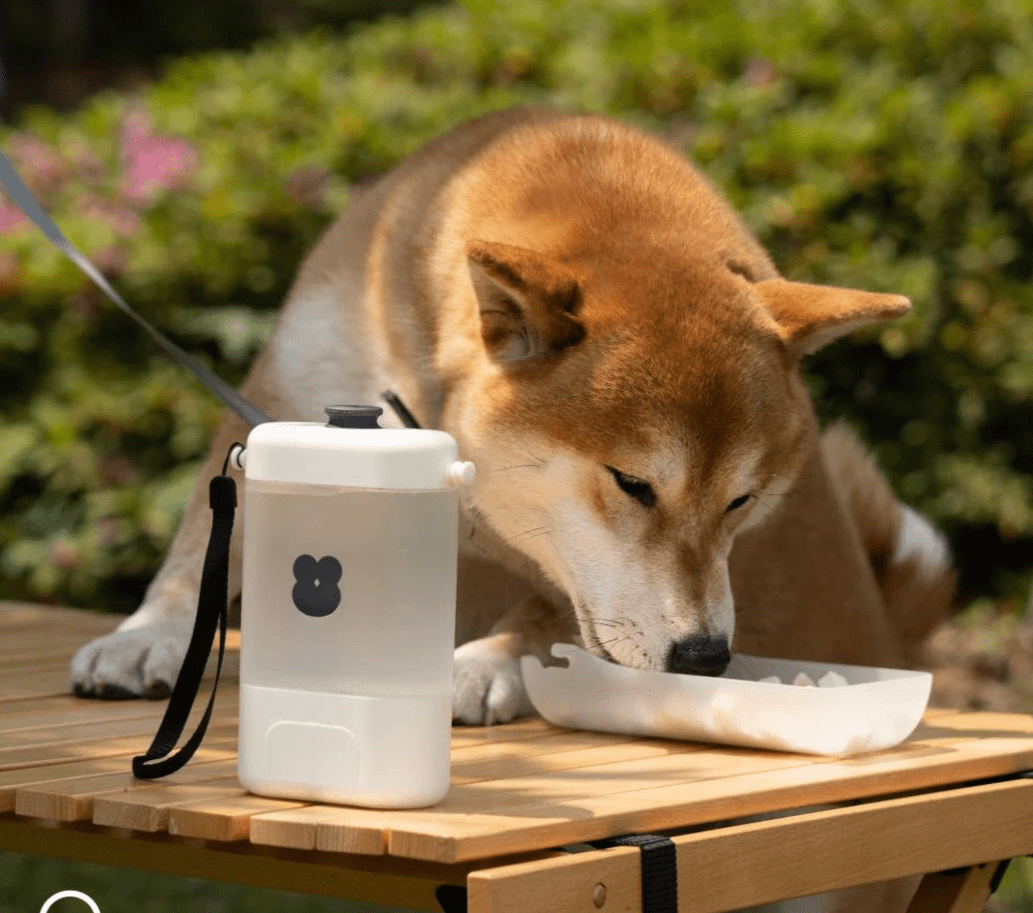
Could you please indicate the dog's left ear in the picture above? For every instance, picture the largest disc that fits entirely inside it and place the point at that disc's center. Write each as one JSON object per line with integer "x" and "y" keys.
{"x": 811, "y": 316}
{"x": 526, "y": 301}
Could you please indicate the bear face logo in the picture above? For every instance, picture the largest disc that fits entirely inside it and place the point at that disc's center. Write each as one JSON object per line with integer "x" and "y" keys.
{"x": 316, "y": 592}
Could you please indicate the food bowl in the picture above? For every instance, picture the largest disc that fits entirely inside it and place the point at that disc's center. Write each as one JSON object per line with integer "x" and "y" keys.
{"x": 875, "y": 709}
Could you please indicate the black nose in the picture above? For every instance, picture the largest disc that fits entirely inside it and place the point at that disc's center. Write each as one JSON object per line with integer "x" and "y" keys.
{"x": 699, "y": 655}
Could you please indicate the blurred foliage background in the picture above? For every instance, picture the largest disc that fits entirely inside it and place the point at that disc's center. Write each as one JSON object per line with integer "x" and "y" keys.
{"x": 880, "y": 144}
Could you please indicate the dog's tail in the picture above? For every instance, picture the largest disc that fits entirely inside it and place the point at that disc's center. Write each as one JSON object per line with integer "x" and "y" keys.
{"x": 910, "y": 557}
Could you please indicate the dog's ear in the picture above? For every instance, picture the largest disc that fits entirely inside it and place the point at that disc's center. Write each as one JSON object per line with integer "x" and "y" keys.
{"x": 810, "y": 316}
{"x": 527, "y": 303}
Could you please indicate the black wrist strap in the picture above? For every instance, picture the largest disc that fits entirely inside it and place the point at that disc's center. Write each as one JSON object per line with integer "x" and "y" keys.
{"x": 211, "y": 611}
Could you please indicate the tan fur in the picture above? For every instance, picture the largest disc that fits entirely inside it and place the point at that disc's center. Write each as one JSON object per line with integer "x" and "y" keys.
{"x": 917, "y": 598}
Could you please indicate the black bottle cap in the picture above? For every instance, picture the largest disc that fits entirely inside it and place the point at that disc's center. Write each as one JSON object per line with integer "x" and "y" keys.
{"x": 353, "y": 416}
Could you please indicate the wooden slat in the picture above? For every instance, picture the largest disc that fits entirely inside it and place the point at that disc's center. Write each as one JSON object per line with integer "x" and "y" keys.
{"x": 788, "y": 857}
{"x": 524, "y": 741}
{"x": 527, "y": 728}
{"x": 56, "y": 631}
{"x": 560, "y": 751}
{"x": 50, "y": 754}
{"x": 61, "y": 752}
{"x": 50, "y": 719}
{"x": 143, "y": 721}
{"x": 17, "y": 665}
{"x": 59, "y": 641}
{"x": 353, "y": 830}
{"x": 33, "y": 685}
{"x": 670, "y": 764}
{"x": 19, "y": 618}
{"x": 148, "y": 809}
{"x": 225, "y": 819}
{"x": 976, "y": 725}
{"x": 66, "y": 709}
{"x": 48, "y": 683}
{"x": 13, "y": 780}
{"x": 72, "y": 799}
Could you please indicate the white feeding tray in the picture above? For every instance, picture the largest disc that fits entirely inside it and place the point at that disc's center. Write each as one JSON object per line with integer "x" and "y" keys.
{"x": 874, "y": 709}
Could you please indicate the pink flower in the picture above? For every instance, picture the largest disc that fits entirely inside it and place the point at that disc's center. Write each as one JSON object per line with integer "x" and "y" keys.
{"x": 10, "y": 218}
{"x": 86, "y": 164}
{"x": 110, "y": 260}
{"x": 135, "y": 128}
{"x": 63, "y": 555}
{"x": 760, "y": 72}
{"x": 41, "y": 167}
{"x": 110, "y": 529}
{"x": 152, "y": 163}
{"x": 120, "y": 219}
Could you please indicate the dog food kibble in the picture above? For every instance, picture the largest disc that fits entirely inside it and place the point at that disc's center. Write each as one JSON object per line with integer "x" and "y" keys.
{"x": 829, "y": 680}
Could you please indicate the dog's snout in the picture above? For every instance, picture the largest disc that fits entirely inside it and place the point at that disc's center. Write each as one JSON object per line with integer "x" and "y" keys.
{"x": 699, "y": 655}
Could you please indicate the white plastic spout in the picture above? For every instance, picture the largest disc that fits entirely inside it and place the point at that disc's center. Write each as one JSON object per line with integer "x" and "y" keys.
{"x": 462, "y": 473}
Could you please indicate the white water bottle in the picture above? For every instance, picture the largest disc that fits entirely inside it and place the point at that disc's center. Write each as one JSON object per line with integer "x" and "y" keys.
{"x": 348, "y": 610}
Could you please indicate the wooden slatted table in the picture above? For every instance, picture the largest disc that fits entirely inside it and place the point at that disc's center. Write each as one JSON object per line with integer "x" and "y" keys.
{"x": 525, "y": 798}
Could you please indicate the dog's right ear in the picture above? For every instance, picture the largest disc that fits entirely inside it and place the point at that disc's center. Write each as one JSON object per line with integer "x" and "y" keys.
{"x": 808, "y": 317}
{"x": 527, "y": 303}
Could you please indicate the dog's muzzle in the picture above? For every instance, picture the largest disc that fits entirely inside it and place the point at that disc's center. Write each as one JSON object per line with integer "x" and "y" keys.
{"x": 699, "y": 655}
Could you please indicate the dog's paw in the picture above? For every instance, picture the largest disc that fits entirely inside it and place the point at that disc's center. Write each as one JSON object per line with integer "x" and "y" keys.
{"x": 488, "y": 688}
{"x": 141, "y": 662}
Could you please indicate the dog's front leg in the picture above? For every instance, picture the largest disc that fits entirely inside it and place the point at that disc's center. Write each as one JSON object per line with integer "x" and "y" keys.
{"x": 141, "y": 658}
{"x": 489, "y": 688}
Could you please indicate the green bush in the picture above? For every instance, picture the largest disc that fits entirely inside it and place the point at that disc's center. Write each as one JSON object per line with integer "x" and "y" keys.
{"x": 873, "y": 143}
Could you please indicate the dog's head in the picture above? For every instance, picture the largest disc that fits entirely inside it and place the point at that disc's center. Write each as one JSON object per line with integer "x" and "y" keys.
{"x": 638, "y": 404}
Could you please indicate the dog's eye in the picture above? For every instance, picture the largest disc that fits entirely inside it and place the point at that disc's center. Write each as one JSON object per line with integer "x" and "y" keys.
{"x": 737, "y": 503}
{"x": 638, "y": 489}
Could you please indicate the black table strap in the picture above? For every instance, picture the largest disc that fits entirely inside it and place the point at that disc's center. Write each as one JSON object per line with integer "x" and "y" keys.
{"x": 452, "y": 898}
{"x": 659, "y": 869}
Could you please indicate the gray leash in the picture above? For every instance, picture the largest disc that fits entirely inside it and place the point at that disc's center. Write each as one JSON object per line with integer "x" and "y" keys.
{"x": 24, "y": 200}
{"x": 247, "y": 410}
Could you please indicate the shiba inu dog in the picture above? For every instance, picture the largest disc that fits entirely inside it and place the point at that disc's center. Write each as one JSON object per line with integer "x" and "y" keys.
{"x": 574, "y": 303}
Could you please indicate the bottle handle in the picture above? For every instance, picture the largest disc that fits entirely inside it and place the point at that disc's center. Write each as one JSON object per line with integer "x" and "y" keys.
{"x": 158, "y": 761}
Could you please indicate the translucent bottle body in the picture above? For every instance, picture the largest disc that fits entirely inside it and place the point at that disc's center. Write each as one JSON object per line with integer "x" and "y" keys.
{"x": 393, "y": 554}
